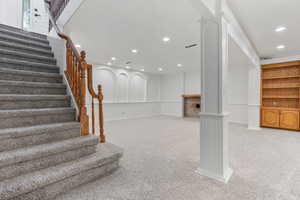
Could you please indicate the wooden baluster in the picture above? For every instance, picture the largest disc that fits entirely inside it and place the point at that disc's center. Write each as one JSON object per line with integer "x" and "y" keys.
{"x": 93, "y": 116}
{"x": 101, "y": 121}
{"x": 69, "y": 65}
{"x": 84, "y": 119}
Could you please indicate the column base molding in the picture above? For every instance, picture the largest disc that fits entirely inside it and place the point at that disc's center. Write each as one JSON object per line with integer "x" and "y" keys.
{"x": 254, "y": 128}
{"x": 222, "y": 178}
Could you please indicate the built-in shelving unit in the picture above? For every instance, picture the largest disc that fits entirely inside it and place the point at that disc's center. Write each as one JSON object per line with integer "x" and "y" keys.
{"x": 280, "y": 95}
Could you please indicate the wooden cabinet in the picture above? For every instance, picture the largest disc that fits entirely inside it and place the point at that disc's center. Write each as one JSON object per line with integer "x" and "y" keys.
{"x": 289, "y": 120}
{"x": 270, "y": 118}
{"x": 280, "y": 118}
{"x": 280, "y": 95}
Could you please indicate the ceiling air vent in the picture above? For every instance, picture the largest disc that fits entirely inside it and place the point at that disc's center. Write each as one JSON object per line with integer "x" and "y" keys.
{"x": 191, "y": 46}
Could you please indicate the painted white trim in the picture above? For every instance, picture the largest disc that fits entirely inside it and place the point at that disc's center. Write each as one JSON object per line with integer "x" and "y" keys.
{"x": 237, "y": 33}
{"x": 254, "y": 128}
{"x": 223, "y": 179}
{"x": 239, "y": 123}
{"x": 127, "y": 118}
{"x": 216, "y": 115}
{"x": 280, "y": 60}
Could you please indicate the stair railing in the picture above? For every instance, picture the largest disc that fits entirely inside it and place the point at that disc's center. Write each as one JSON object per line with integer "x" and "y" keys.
{"x": 78, "y": 73}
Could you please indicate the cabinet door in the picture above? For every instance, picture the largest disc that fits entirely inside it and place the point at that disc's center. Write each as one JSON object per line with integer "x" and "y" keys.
{"x": 270, "y": 118}
{"x": 289, "y": 120}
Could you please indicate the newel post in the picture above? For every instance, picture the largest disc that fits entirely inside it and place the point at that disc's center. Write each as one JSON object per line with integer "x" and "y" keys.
{"x": 101, "y": 120}
{"x": 84, "y": 119}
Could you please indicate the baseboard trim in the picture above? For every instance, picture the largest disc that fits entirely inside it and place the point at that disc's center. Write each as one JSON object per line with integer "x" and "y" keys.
{"x": 224, "y": 179}
{"x": 254, "y": 128}
{"x": 126, "y": 118}
{"x": 239, "y": 123}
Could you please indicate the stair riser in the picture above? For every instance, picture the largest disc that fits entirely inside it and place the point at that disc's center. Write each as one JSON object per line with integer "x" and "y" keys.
{"x": 29, "y": 68}
{"x": 5, "y": 27}
{"x": 12, "y": 89}
{"x": 29, "y": 104}
{"x": 45, "y": 162}
{"x": 48, "y": 136}
{"x": 24, "y": 37}
{"x": 54, "y": 189}
{"x": 29, "y": 120}
{"x": 29, "y": 51}
{"x": 29, "y": 78}
{"x": 29, "y": 59}
{"x": 25, "y": 42}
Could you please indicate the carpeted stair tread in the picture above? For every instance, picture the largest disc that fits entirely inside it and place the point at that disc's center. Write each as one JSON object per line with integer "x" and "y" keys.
{"x": 32, "y": 84}
{"x": 4, "y": 37}
{"x": 29, "y": 73}
{"x": 25, "y": 184}
{"x": 23, "y": 36}
{"x": 20, "y": 63}
{"x": 35, "y": 130}
{"x": 22, "y": 48}
{"x": 23, "y": 56}
{"x": 34, "y": 152}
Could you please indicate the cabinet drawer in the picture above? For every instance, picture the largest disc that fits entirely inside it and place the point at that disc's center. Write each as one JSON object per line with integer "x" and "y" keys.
{"x": 289, "y": 120}
{"x": 270, "y": 118}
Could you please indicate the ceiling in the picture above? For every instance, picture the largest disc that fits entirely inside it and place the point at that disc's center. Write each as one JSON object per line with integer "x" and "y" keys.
{"x": 260, "y": 18}
{"x": 116, "y": 27}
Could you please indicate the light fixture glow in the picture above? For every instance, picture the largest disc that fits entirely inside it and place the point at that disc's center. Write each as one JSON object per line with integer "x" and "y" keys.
{"x": 160, "y": 69}
{"x": 134, "y": 50}
{"x": 166, "y": 39}
{"x": 113, "y": 58}
{"x": 142, "y": 70}
{"x": 109, "y": 63}
{"x": 77, "y": 46}
{"x": 127, "y": 67}
{"x": 280, "y": 47}
{"x": 280, "y": 29}
{"x": 179, "y": 65}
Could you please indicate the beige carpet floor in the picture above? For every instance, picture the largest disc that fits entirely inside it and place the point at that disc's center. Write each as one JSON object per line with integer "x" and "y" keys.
{"x": 161, "y": 155}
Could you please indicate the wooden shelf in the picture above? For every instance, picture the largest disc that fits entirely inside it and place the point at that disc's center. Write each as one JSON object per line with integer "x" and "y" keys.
{"x": 280, "y": 77}
{"x": 191, "y": 95}
{"x": 281, "y": 65}
{"x": 280, "y": 87}
{"x": 280, "y": 97}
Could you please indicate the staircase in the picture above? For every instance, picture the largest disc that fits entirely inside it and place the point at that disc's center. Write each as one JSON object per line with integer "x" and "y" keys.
{"x": 41, "y": 151}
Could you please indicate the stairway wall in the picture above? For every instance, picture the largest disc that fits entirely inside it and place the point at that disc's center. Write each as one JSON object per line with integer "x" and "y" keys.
{"x": 11, "y": 13}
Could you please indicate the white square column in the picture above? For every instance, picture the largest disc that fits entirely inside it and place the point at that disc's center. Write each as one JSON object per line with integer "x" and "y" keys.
{"x": 214, "y": 161}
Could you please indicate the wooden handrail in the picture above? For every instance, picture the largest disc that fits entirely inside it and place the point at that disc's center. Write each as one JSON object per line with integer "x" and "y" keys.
{"x": 79, "y": 75}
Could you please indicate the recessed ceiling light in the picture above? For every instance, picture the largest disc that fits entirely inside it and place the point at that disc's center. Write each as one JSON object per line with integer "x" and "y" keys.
{"x": 166, "y": 39}
{"x": 142, "y": 70}
{"x": 134, "y": 50}
{"x": 179, "y": 65}
{"x": 160, "y": 69}
{"x": 77, "y": 46}
{"x": 109, "y": 63}
{"x": 113, "y": 58}
{"x": 127, "y": 67}
{"x": 280, "y": 47}
{"x": 280, "y": 29}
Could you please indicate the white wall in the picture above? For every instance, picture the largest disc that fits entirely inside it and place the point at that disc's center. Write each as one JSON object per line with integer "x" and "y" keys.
{"x": 11, "y": 12}
{"x": 173, "y": 86}
{"x": 238, "y": 93}
{"x": 192, "y": 82}
{"x": 127, "y": 94}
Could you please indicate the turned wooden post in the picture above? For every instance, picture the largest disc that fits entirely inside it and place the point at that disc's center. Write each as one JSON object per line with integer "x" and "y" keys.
{"x": 93, "y": 116}
{"x": 69, "y": 65}
{"x": 101, "y": 121}
{"x": 84, "y": 119}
